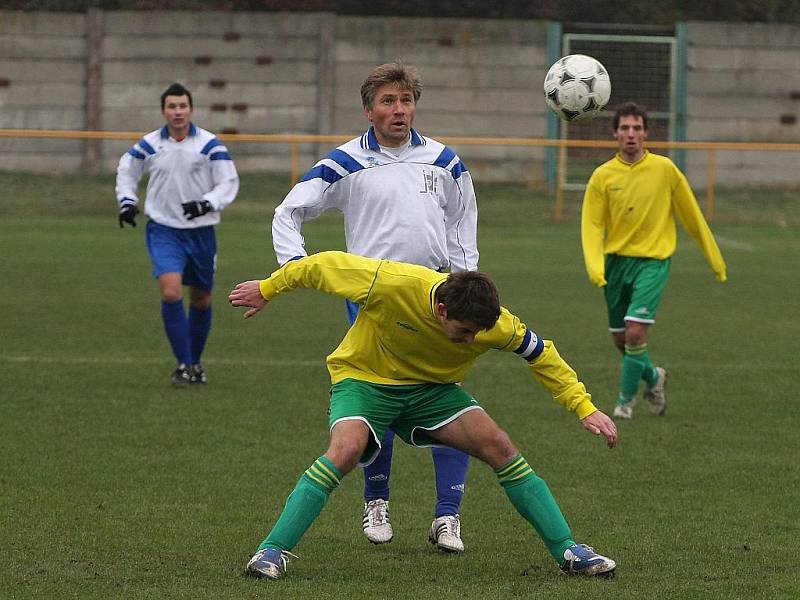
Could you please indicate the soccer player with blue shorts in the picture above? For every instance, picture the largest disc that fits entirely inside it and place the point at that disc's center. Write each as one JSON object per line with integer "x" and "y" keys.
{"x": 407, "y": 198}
{"x": 629, "y": 235}
{"x": 192, "y": 178}
{"x": 417, "y": 335}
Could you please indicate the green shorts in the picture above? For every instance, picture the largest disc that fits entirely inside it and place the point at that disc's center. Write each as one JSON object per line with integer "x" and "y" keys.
{"x": 410, "y": 410}
{"x": 634, "y": 288}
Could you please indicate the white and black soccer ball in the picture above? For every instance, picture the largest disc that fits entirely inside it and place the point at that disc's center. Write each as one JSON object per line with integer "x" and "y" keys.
{"x": 577, "y": 87}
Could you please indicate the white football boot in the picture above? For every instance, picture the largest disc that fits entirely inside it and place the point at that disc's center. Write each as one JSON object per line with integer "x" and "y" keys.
{"x": 445, "y": 533}
{"x": 269, "y": 563}
{"x": 656, "y": 395}
{"x": 624, "y": 411}
{"x": 581, "y": 559}
{"x": 376, "y": 523}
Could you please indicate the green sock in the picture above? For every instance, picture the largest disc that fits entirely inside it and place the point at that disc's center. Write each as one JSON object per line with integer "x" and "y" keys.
{"x": 532, "y": 498}
{"x": 304, "y": 504}
{"x": 649, "y": 373}
{"x": 634, "y": 362}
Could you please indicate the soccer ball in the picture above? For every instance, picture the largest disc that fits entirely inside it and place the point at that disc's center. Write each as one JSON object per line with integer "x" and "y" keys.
{"x": 577, "y": 87}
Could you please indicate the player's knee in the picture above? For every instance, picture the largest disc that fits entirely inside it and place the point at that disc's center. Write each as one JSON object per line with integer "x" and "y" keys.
{"x": 203, "y": 304}
{"x": 634, "y": 337}
{"x": 498, "y": 448}
{"x": 171, "y": 295}
{"x": 200, "y": 299}
{"x": 635, "y": 333}
{"x": 344, "y": 461}
{"x": 346, "y": 454}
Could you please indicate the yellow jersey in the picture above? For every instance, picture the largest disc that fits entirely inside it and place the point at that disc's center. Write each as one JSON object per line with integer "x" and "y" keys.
{"x": 397, "y": 338}
{"x": 629, "y": 209}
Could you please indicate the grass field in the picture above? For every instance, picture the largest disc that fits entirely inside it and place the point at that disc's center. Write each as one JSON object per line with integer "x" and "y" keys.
{"x": 115, "y": 485}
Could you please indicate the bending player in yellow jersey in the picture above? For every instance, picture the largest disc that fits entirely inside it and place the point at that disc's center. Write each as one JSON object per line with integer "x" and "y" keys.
{"x": 417, "y": 334}
{"x": 628, "y": 234}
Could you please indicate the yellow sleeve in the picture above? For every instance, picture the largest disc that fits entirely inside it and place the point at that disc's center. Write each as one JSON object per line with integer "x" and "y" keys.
{"x": 556, "y": 375}
{"x": 688, "y": 211}
{"x": 337, "y": 273}
{"x": 593, "y": 229}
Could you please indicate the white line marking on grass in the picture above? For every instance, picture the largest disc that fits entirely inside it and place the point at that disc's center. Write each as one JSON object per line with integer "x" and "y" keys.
{"x": 320, "y": 362}
{"x": 723, "y": 241}
{"x": 110, "y": 360}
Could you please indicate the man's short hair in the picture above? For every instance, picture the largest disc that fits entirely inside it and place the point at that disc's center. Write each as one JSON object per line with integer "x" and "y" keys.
{"x": 176, "y": 89}
{"x": 405, "y": 77}
{"x": 629, "y": 109}
{"x": 470, "y": 296}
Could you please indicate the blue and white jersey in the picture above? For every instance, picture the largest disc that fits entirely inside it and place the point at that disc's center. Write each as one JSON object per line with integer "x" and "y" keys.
{"x": 198, "y": 167}
{"x": 415, "y": 205}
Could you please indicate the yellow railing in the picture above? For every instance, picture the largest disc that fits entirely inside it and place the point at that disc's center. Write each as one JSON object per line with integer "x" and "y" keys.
{"x": 294, "y": 139}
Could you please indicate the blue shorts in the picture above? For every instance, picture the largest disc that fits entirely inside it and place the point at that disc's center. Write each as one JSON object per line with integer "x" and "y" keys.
{"x": 190, "y": 252}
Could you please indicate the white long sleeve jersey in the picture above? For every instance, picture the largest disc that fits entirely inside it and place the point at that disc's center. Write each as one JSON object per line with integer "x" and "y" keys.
{"x": 418, "y": 207}
{"x": 199, "y": 167}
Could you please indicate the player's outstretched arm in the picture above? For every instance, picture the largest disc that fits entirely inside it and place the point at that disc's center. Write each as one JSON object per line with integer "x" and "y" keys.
{"x": 600, "y": 424}
{"x": 248, "y": 293}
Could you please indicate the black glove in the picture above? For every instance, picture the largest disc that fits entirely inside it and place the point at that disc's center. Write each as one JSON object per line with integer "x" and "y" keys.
{"x": 127, "y": 212}
{"x": 194, "y": 209}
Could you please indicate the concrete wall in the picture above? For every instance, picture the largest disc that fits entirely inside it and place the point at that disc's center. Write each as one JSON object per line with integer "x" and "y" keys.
{"x": 248, "y": 73}
{"x": 42, "y": 86}
{"x": 301, "y": 73}
{"x": 269, "y": 73}
{"x": 744, "y": 86}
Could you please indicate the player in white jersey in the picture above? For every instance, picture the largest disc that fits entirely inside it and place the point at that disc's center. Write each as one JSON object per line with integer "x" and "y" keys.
{"x": 404, "y": 197}
{"x": 192, "y": 178}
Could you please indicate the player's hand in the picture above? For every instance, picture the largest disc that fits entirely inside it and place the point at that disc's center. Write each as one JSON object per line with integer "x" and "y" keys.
{"x": 248, "y": 293}
{"x": 598, "y": 280}
{"x": 722, "y": 277}
{"x": 194, "y": 209}
{"x": 601, "y": 424}
{"x": 127, "y": 212}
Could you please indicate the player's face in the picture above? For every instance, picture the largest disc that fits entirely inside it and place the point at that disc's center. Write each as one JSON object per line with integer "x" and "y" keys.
{"x": 458, "y": 332}
{"x": 630, "y": 135}
{"x": 178, "y": 114}
{"x": 392, "y": 113}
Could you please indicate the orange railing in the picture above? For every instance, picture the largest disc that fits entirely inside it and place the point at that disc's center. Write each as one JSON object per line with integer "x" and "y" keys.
{"x": 562, "y": 144}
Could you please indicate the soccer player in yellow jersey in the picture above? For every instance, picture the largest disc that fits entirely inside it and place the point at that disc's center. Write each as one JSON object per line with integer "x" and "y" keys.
{"x": 628, "y": 234}
{"x": 417, "y": 334}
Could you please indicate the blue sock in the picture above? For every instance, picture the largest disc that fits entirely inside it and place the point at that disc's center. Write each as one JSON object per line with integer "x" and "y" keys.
{"x": 199, "y": 327}
{"x": 376, "y": 475}
{"x": 177, "y": 328}
{"x": 451, "y": 477}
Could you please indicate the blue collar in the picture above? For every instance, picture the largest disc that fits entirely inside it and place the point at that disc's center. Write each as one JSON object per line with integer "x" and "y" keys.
{"x": 372, "y": 141}
{"x": 165, "y": 131}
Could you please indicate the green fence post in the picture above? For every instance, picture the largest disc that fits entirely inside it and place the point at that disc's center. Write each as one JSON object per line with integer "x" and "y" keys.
{"x": 554, "y": 31}
{"x": 681, "y": 62}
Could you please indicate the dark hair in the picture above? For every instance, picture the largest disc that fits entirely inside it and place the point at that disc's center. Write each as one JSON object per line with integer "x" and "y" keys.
{"x": 470, "y": 296}
{"x": 404, "y": 76}
{"x": 176, "y": 89}
{"x": 630, "y": 109}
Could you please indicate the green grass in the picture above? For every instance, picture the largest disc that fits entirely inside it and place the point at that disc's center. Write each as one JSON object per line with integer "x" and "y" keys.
{"x": 114, "y": 485}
